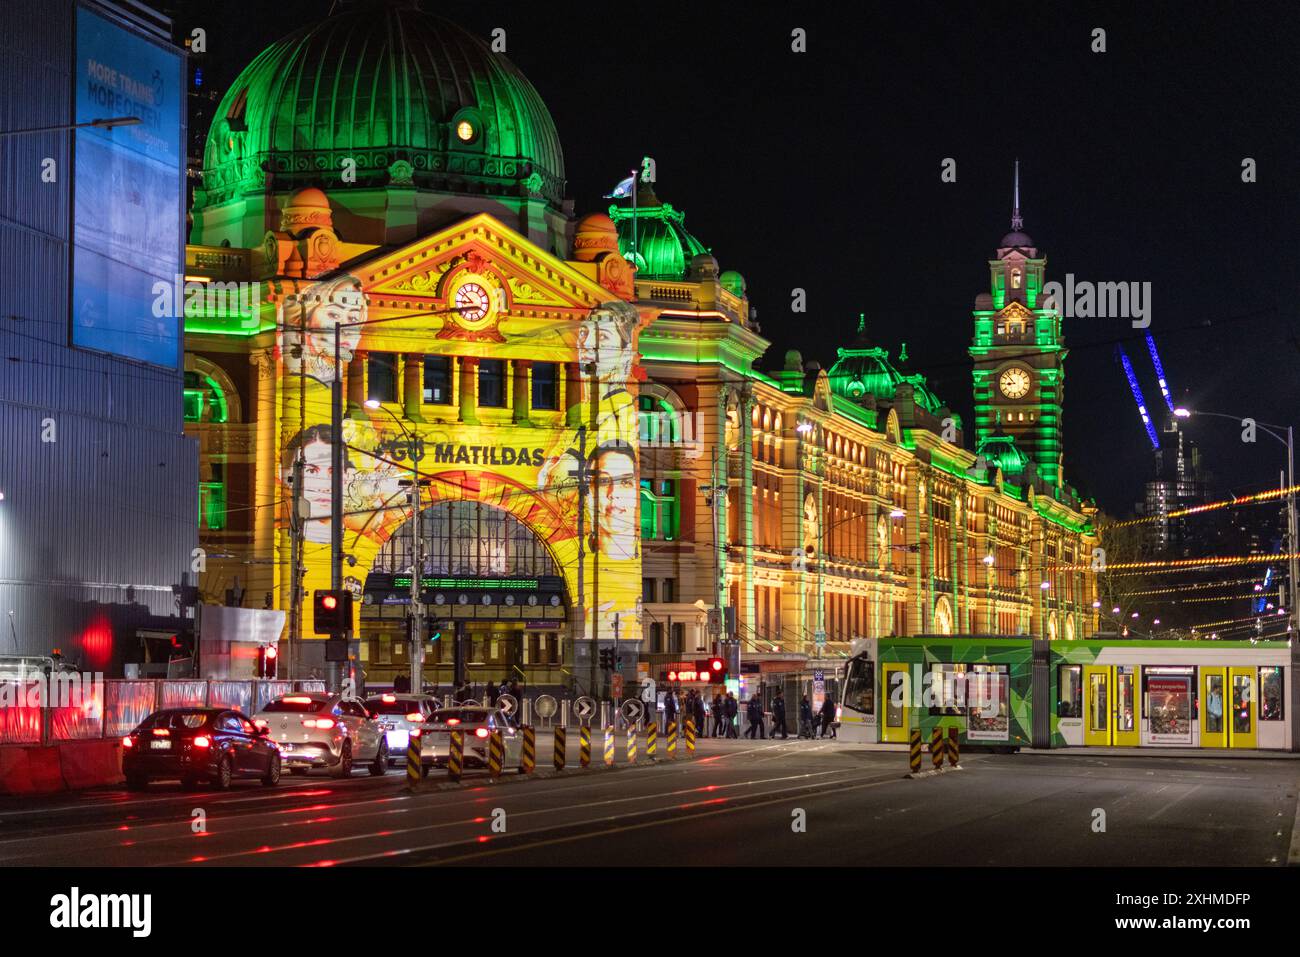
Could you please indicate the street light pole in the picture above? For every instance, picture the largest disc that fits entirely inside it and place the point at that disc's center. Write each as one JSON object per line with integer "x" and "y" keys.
{"x": 336, "y": 493}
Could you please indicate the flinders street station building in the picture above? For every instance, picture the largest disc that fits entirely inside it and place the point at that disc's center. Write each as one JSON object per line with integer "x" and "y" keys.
{"x": 576, "y": 404}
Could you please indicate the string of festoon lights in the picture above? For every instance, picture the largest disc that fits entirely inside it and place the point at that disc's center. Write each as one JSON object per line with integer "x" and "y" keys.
{"x": 1184, "y": 564}
{"x": 1268, "y": 496}
{"x": 1194, "y": 586}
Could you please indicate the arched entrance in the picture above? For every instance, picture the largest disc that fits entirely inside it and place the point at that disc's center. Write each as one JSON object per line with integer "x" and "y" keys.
{"x": 486, "y": 578}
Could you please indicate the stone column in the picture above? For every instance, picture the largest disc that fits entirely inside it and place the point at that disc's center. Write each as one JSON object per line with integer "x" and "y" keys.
{"x": 468, "y": 389}
{"x": 412, "y": 397}
{"x": 521, "y": 397}
{"x": 745, "y": 396}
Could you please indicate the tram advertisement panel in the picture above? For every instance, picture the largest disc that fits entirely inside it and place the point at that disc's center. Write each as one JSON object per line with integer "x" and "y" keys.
{"x": 989, "y": 714}
{"x": 1169, "y": 704}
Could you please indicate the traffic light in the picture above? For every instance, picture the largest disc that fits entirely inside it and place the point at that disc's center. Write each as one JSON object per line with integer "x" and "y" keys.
{"x": 712, "y": 670}
{"x": 332, "y": 612}
{"x": 606, "y": 659}
{"x": 267, "y": 658}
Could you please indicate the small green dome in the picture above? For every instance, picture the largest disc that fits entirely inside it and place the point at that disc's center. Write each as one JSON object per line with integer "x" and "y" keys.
{"x": 1000, "y": 451}
{"x": 382, "y": 83}
{"x": 866, "y": 369}
{"x": 733, "y": 282}
{"x": 664, "y": 249}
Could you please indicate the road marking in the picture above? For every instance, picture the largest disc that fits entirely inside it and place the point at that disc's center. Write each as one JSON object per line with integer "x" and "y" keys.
{"x": 515, "y": 848}
{"x": 1186, "y": 794}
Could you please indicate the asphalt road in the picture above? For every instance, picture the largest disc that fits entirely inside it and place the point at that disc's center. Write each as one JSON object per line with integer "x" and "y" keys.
{"x": 735, "y": 803}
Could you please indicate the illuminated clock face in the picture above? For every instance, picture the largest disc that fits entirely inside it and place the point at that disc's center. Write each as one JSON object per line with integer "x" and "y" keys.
{"x": 472, "y": 302}
{"x": 1014, "y": 383}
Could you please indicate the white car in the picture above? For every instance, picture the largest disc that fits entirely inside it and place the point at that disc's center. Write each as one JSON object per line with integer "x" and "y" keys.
{"x": 398, "y": 715}
{"x": 320, "y": 730}
{"x": 477, "y": 723}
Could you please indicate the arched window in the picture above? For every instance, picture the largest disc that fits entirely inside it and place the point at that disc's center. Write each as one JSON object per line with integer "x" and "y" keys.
{"x": 1015, "y": 279}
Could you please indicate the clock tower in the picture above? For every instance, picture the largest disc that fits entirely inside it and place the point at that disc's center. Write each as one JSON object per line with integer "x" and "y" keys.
{"x": 1019, "y": 372}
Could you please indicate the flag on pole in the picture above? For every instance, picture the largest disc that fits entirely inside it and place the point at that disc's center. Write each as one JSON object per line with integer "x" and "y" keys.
{"x": 623, "y": 189}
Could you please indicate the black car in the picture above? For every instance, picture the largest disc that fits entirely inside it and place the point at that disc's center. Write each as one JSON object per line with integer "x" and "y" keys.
{"x": 199, "y": 744}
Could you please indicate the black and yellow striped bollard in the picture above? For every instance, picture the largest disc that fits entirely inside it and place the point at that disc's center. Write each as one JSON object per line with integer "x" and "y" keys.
{"x": 631, "y": 744}
{"x": 609, "y": 746}
{"x": 954, "y": 748}
{"x": 936, "y": 748}
{"x": 651, "y": 739}
{"x": 456, "y": 756}
{"x": 414, "y": 765}
{"x": 690, "y": 737}
{"x": 584, "y": 745}
{"x": 528, "y": 756}
{"x": 914, "y": 755}
{"x": 561, "y": 747}
{"x": 496, "y": 753}
{"x": 672, "y": 739}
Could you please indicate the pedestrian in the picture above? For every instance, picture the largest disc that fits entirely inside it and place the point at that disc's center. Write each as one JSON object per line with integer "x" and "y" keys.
{"x": 828, "y": 717}
{"x": 805, "y": 718}
{"x": 755, "y": 714}
{"x": 717, "y": 715}
{"x": 650, "y": 702}
{"x": 670, "y": 707}
{"x": 492, "y": 694}
{"x": 699, "y": 714}
{"x": 731, "y": 708}
{"x": 778, "y": 715}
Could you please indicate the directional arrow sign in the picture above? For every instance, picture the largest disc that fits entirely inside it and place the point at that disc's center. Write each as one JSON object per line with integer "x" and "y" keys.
{"x": 632, "y": 710}
{"x": 544, "y": 706}
{"x": 584, "y": 707}
{"x": 507, "y": 703}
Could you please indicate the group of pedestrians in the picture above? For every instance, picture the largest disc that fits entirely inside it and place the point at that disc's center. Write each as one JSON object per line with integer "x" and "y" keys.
{"x": 725, "y": 710}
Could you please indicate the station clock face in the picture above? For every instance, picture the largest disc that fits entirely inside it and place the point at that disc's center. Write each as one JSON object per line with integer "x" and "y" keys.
{"x": 1014, "y": 383}
{"x": 472, "y": 302}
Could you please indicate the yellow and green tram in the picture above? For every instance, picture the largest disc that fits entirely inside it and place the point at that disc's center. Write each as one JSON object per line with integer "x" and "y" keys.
{"x": 1008, "y": 692}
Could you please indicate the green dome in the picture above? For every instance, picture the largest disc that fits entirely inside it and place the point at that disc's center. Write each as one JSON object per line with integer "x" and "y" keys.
{"x": 1001, "y": 451}
{"x": 866, "y": 370}
{"x": 664, "y": 249}
{"x": 382, "y": 83}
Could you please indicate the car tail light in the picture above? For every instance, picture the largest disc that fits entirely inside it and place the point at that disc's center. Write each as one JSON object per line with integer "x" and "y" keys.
{"x": 388, "y": 698}
{"x": 451, "y": 721}
{"x": 161, "y": 732}
{"x": 260, "y": 722}
{"x": 323, "y": 724}
{"x": 297, "y": 700}
{"x": 201, "y": 741}
{"x": 128, "y": 742}
{"x": 415, "y": 717}
{"x": 481, "y": 733}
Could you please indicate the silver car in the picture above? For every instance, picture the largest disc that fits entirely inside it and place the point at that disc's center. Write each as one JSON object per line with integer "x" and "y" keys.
{"x": 320, "y": 730}
{"x": 477, "y": 723}
{"x": 398, "y": 715}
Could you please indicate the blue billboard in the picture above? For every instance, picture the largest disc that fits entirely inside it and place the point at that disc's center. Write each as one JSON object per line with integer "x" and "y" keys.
{"x": 128, "y": 194}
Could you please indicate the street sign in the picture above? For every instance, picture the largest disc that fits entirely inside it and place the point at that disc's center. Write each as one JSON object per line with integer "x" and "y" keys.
{"x": 584, "y": 707}
{"x": 544, "y": 706}
{"x": 820, "y": 638}
{"x": 632, "y": 710}
{"x": 507, "y": 703}
{"x": 616, "y": 685}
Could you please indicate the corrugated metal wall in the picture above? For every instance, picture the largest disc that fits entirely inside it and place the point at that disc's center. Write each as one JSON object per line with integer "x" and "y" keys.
{"x": 111, "y": 503}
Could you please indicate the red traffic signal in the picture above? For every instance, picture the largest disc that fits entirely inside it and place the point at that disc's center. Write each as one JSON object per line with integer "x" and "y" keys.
{"x": 332, "y": 612}
{"x": 712, "y": 670}
{"x": 267, "y": 656}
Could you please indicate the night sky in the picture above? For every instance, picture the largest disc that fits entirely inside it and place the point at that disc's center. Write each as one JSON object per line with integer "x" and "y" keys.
{"x": 821, "y": 170}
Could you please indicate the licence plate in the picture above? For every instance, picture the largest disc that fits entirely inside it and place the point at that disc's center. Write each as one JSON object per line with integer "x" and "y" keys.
{"x": 286, "y": 746}
{"x": 160, "y": 745}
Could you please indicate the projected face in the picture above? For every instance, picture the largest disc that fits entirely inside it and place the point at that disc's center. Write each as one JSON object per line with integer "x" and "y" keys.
{"x": 615, "y": 500}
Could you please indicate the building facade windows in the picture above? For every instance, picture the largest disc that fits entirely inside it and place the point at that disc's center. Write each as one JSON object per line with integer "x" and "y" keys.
{"x": 437, "y": 380}
{"x": 546, "y": 390}
{"x": 660, "y": 514}
{"x": 381, "y": 376}
{"x": 492, "y": 383}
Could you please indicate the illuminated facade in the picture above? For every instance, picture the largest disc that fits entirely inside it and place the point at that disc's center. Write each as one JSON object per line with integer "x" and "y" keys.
{"x": 582, "y": 430}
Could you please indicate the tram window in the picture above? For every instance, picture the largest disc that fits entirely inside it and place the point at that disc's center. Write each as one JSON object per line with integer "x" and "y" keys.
{"x": 860, "y": 686}
{"x": 1069, "y": 691}
{"x": 947, "y": 691}
{"x": 1271, "y": 701}
{"x": 1214, "y": 704}
{"x": 1241, "y": 704}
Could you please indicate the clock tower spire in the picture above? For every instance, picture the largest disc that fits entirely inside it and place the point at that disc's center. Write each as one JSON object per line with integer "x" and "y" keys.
{"x": 1019, "y": 373}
